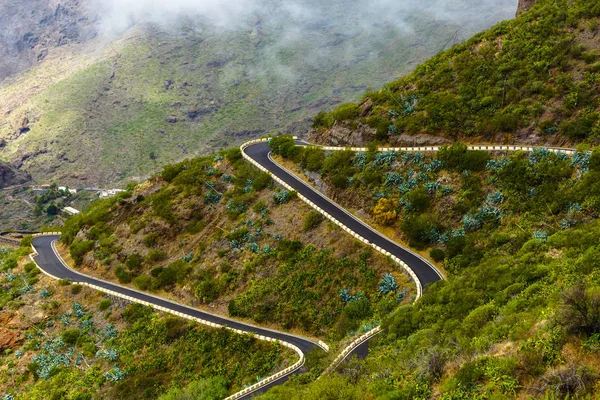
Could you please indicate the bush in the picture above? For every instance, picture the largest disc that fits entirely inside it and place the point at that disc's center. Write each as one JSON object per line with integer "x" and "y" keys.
{"x": 155, "y": 256}
{"x": 580, "y": 128}
{"x": 385, "y": 212}
{"x": 345, "y": 112}
{"x": 122, "y": 275}
{"x": 312, "y": 219}
{"x": 283, "y": 145}
{"x": 207, "y": 290}
{"x": 26, "y": 241}
{"x": 572, "y": 380}
{"x": 31, "y": 269}
{"x": 262, "y": 181}
{"x": 79, "y": 249}
{"x": 142, "y": 282}
{"x": 70, "y": 336}
{"x": 134, "y": 262}
{"x": 437, "y": 254}
{"x": 76, "y": 289}
{"x": 104, "y": 304}
{"x": 418, "y": 199}
{"x": 430, "y": 363}
{"x": 322, "y": 120}
{"x": 340, "y": 181}
{"x": 457, "y": 157}
{"x": 417, "y": 228}
{"x": 151, "y": 239}
{"x": 580, "y": 310}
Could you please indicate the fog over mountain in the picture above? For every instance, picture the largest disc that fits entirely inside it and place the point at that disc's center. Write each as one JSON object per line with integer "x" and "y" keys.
{"x": 115, "y": 16}
{"x": 97, "y": 92}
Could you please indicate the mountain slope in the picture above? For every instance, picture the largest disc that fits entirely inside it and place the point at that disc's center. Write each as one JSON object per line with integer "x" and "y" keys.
{"x": 531, "y": 80}
{"x": 158, "y": 95}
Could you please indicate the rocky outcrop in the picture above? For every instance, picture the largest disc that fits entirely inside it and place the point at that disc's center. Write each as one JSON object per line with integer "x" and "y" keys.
{"x": 9, "y": 339}
{"x": 524, "y": 5}
{"x": 10, "y": 176}
{"x": 344, "y": 134}
{"x": 31, "y": 28}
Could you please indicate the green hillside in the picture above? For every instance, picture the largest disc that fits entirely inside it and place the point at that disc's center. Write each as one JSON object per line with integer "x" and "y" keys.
{"x": 532, "y": 79}
{"x": 65, "y": 341}
{"x": 159, "y": 95}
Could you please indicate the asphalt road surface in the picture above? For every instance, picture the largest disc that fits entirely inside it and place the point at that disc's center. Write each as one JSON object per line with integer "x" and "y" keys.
{"x": 48, "y": 260}
{"x": 426, "y": 273}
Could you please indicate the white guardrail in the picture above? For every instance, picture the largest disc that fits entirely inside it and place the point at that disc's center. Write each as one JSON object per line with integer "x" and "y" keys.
{"x": 358, "y": 341}
{"x": 289, "y": 370}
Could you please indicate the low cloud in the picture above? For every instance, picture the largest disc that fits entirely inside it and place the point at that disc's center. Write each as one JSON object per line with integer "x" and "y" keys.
{"x": 116, "y": 16}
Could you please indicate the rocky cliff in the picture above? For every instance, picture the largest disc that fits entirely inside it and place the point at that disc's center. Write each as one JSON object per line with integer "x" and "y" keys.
{"x": 10, "y": 177}
{"x": 31, "y": 28}
{"x": 524, "y": 5}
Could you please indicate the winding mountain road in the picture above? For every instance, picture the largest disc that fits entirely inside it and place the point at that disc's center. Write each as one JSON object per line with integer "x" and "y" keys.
{"x": 258, "y": 153}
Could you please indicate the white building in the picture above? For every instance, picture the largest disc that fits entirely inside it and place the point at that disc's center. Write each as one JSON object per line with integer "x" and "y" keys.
{"x": 70, "y": 211}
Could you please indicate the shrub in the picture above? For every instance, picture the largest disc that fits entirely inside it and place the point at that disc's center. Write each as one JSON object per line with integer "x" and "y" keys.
{"x": 31, "y": 269}
{"x": 312, "y": 219}
{"x": 64, "y": 282}
{"x": 142, "y": 282}
{"x": 122, "y": 275}
{"x": 134, "y": 262}
{"x": 340, "y": 181}
{"x": 104, "y": 304}
{"x": 155, "y": 256}
{"x": 76, "y": 289}
{"x": 151, "y": 239}
{"x": 283, "y": 145}
{"x": 430, "y": 363}
{"x": 580, "y": 310}
{"x": 79, "y": 249}
{"x": 262, "y": 181}
{"x": 345, "y": 112}
{"x": 26, "y": 241}
{"x": 418, "y": 199}
{"x": 322, "y": 119}
{"x": 457, "y": 157}
{"x": 580, "y": 128}
{"x": 207, "y": 290}
{"x": 572, "y": 380}
{"x": 417, "y": 228}
{"x": 437, "y": 254}
{"x": 385, "y": 212}
{"x": 70, "y": 336}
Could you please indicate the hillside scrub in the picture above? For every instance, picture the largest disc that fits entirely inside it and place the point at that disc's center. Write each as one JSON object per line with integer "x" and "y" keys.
{"x": 112, "y": 349}
{"x": 214, "y": 232}
{"x": 518, "y": 315}
{"x": 538, "y": 72}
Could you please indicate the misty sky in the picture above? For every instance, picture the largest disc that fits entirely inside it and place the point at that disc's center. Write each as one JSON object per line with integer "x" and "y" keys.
{"x": 116, "y": 16}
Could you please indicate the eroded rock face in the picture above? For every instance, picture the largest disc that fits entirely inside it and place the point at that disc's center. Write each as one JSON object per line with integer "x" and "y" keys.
{"x": 9, "y": 339}
{"x": 525, "y": 5}
{"x": 10, "y": 176}
{"x": 343, "y": 134}
{"x": 31, "y": 28}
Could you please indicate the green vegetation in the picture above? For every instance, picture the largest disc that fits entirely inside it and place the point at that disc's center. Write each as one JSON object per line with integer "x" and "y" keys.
{"x": 160, "y": 86}
{"x": 539, "y": 70}
{"x": 517, "y": 235}
{"x": 211, "y": 230}
{"x": 129, "y": 352}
